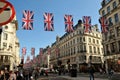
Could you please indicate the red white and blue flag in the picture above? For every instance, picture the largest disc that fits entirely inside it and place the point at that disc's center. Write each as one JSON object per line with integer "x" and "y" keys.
{"x": 24, "y": 51}
{"x": 104, "y": 24}
{"x": 28, "y": 59}
{"x": 33, "y": 51}
{"x": 27, "y": 20}
{"x": 48, "y": 22}
{"x": 41, "y": 51}
{"x": 48, "y": 51}
{"x": 68, "y": 23}
{"x": 87, "y": 24}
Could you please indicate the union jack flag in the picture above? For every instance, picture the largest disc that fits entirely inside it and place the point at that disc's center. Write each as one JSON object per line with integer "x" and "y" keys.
{"x": 104, "y": 24}
{"x": 28, "y": 59}
{"x": 48, "y": 22}
{"x": 32, "y": 51}
{"x": 27, "y": 20}
{"x": 87, "y": 23}
{"x": 57, "y": 51}
{"x": 24, "y": 50}
{"x": 68, "y": 23}
{"x": 41, "y": 51}
{"x": 49, "y": 51}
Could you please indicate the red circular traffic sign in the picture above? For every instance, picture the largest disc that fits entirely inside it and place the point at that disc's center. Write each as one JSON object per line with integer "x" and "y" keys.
{"x": 7, "y": 4}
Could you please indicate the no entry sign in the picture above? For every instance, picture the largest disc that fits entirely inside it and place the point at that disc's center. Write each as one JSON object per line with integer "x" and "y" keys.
{"x": 7, "y": 12}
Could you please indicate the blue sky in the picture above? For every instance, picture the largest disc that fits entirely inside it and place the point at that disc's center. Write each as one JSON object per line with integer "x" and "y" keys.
{"x": 38, "y": 38}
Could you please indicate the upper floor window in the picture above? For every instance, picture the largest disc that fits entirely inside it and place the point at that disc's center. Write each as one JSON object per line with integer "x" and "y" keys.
{"x": 97, "y": 42}
{"x": 114, "y": 4}
{"x": 89, "y": 39}
{"x": 116, "y": 18}
{"x": 110, "y": 21}
{"x": 118, "y": 31}
{"x": 107, "y": 1}
{"x": 103, "y": 12}
{"x": 5, "y": 36}
{"x": 83, "y": 38}
{"x": 93, "y": 40}
{"x": 94, "y": 49}
{"x": 108, "y": 9}
{"x": 5, "y": 45}
{"x": 90, "y": 49}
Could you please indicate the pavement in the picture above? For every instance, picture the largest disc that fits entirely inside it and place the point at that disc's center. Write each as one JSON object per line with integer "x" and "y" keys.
{"x": 84, "y": 76}
{"x": 80, "y": 76}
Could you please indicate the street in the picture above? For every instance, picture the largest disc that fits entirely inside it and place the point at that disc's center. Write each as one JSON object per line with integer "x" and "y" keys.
{"x": 67, "y": 77}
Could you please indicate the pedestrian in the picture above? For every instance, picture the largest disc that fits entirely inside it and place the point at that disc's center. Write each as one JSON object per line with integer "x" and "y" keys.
{"x": 6, "y": 74}
{"x": 91, "y": 71}
{"x": 110, "y": 72}
{"x": 46, "y": 72}
{"x": 12, "y": 76}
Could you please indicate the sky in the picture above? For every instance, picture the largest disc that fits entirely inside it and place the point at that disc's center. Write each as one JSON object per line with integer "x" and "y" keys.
{"x": 38, "y": 38}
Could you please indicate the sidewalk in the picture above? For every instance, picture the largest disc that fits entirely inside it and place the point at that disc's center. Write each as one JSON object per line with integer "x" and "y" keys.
{"x": 80, "y": 78}
{"x": 85, "y": 76}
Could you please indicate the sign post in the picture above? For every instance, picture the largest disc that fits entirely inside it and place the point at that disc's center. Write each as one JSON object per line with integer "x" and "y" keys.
{"x": 7, "y": 12}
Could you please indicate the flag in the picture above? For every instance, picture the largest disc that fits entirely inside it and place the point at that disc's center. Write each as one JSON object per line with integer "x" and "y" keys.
{"x": 32, "y": 51}
{"x": 104, "y": 24}
{"x": 48, "y": 51}
{"x": 68, "y": 23}
{"x": 23, "y": 50}
{"x": 28, "y": 59}
{"x": 41, "y": 51}
{"x": 48, "y": 22}
{"x": 27, "y": 20}
{"x": 57, "y": 51}
{"x": 87, "y": 23}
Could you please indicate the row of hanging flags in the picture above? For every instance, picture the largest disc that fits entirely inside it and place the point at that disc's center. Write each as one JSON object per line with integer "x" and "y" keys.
{"x": 28, "y": 19}
{"x": 39, "y": 58}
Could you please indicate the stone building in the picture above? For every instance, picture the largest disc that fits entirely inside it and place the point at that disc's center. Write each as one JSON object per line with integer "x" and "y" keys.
{"x": 78, "y": 49}
{"x": 9, "y": 46}
{"x": 110, "y": 9}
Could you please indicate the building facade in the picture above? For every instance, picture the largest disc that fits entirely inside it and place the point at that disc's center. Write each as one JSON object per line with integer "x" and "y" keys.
{"x": 78, "y": 49}
{"x": 9, "y": 46}
{"x": 111, "y": 41}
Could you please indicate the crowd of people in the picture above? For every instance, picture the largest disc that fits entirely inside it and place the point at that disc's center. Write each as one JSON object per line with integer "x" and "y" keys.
{"x": 26, "y": 74}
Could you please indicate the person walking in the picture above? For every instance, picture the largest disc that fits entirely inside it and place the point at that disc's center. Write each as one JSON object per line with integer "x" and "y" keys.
{"x": 91, "y": 71}
{"x": 12, "y": 76}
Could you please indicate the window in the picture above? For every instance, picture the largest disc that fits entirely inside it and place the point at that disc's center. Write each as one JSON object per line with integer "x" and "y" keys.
{"x": 90, "y": 49}
{"x": 80, "y": 39}
{"x": 94, "y": 49}
{"x": 97, "y": 42}
{"x": 93, "y": 40}
{"x": 5, "y": 36}
{"x": 116, "y": 18}
{"x": 108, "y": 9}
{"x": 119, "y": 45}
{"x": 5, "y": 45}
{"x": 103, "y": 12}
{"x": 114, "y": 4}
{"x": 83, "y": 38}
{"x": 107, "y": 1}
{"x": 113, "y": 47}
{"x": 110, "y": 21}
{"x": 118, "y": 31}
{"x": 89, "y": 39}
{"x": 84, "y": 48}
{"x": 98, "y": 50}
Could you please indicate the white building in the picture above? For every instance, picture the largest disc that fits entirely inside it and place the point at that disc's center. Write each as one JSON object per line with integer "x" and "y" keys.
{"x": 9, "y": 46}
